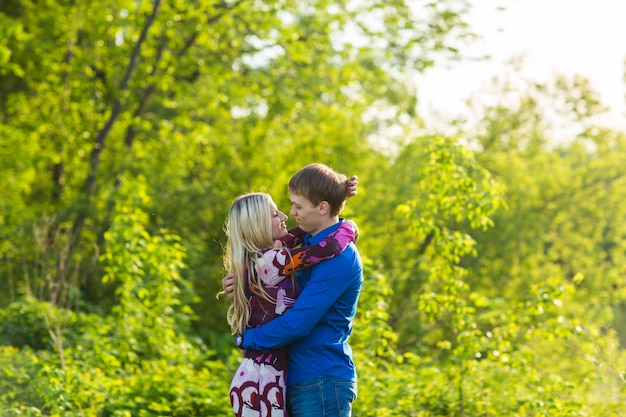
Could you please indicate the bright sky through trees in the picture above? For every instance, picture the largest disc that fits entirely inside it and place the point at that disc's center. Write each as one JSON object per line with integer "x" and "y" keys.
{"x": 553, "y": 36}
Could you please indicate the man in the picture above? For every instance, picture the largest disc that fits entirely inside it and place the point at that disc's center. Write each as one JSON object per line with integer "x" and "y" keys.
{"x": 322, "y": 376}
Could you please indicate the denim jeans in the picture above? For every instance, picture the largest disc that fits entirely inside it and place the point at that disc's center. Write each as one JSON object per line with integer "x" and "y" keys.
{"x": 322, "y": 396}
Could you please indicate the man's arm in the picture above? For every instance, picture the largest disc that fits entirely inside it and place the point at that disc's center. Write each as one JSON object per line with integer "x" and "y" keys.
{"x": 329, "y": 280}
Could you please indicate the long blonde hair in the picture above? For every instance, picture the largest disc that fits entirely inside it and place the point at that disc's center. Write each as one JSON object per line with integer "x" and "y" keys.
{"x": 249, "y": 230}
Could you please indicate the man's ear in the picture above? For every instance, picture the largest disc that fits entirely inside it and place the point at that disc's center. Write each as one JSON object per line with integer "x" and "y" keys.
{"x": 324, "y": 208}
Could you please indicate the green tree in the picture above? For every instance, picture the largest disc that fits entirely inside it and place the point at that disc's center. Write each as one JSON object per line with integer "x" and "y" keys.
{"x": 493, "y": 257}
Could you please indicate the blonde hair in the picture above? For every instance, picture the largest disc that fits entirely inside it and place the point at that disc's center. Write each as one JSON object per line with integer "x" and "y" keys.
{"x": 249, "y": 230}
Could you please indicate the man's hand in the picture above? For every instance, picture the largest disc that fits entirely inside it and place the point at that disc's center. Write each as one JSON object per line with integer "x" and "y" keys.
{"x": 351, "y": 186}
{"x": 228, "y": 284}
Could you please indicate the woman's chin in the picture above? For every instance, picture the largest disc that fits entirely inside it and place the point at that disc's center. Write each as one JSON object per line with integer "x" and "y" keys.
{"x": 281, "y": 234}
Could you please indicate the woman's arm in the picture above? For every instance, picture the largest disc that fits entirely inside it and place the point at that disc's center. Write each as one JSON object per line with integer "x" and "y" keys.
{"x": 294, "y": 237}
{"x": 276, "y": 264}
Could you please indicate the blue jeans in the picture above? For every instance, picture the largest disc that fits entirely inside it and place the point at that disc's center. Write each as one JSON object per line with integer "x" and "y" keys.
{"x": 322, "y": 396}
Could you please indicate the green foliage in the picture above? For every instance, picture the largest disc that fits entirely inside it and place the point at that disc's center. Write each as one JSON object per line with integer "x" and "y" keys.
{"x": 493, "y": 263}
{"x": 458, "y": 345}
{"x": 94, "y": 383}
{"x": 23, "y": 324}
{"x": 135, "y": 361}
{"x": 147, "y": 271}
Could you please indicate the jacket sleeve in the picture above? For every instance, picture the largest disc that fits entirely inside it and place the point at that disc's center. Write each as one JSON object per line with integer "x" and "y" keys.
{"x": 328, "y": 282}
{"x": 294, "y": 238}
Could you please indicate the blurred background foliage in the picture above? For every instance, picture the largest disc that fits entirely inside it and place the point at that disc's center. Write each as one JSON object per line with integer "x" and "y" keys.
{"x": 494, "y": 254}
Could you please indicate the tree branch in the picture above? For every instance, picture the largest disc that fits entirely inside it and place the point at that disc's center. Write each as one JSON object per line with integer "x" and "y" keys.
{"x": 94, "y": 157}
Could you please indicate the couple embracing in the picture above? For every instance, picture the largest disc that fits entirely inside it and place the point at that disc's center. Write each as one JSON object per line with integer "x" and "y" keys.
{"x": 293, "y": 297}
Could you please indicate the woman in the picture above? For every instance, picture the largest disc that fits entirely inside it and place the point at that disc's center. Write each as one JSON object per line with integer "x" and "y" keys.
{"x": 261, "y": 292}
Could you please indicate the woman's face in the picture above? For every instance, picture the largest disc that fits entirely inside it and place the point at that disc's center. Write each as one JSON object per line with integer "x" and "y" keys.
{"x": 279, "y": 228}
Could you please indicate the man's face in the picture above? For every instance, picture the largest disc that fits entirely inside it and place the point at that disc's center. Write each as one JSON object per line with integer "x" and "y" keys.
{"x": 306, "y": 214}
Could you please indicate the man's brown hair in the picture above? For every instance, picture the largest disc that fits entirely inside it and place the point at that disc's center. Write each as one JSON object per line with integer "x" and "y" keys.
{"x": 319, "y": 182}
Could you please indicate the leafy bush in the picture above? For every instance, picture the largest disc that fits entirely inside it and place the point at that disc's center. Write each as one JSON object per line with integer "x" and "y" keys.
{"x": 23, "y": 323}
